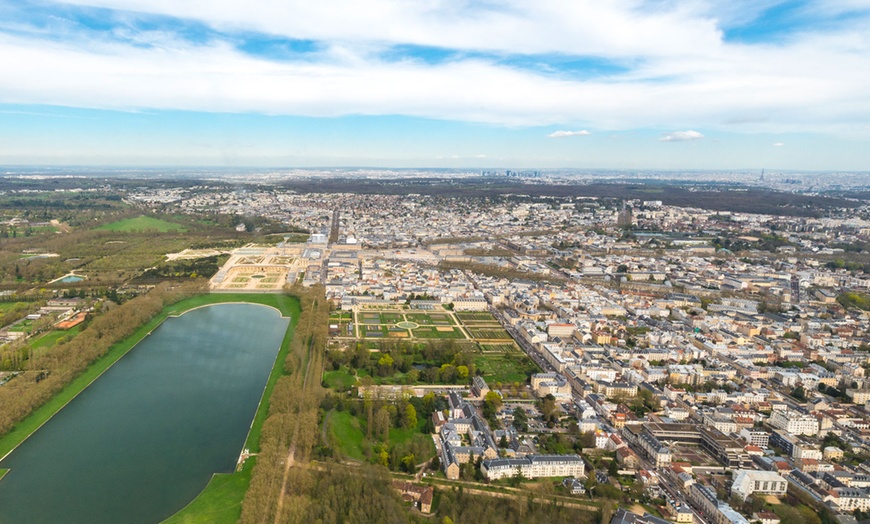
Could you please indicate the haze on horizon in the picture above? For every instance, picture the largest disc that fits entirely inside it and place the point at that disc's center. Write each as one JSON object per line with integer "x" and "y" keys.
{"x": 636, "y": 84}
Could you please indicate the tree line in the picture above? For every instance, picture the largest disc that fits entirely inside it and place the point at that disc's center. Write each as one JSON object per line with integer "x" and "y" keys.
{"x": 48, "y": 372}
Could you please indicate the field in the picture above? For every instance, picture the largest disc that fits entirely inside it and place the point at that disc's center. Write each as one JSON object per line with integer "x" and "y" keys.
{"x": 435, "y": 332}
{"x": 476, "y": 317}
{"x": 340, "y": 380}
{"x": 511, "y": 367}
{"x": 23, "y": 326}
{"x": 50, "y": 339}
{"x": 498, "y": 348}
{"x": 348, "y": 434}
{"x": 221, "y": 500}
{"x": 488, "y": 333}
{"x": 6, "y": 306}
{"x": 399, "y": 323}
{"x": 142, "y": 223}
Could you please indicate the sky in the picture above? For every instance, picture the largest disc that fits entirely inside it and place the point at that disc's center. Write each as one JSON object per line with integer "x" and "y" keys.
{"x": 621, "y": 84}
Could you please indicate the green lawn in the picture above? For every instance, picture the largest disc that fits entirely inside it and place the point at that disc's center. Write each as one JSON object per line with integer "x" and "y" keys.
{"x": 432, "y": 332}
{"x": 494, "y": 333}
{"x": 339, "y": 380}
{"x": 348, "y": 434}
{"x": 143, "y": 223}
{"x": 478, "y": 316}
{"x": 515, "y": 367}
{"x": 50, "y": 339}
{"x": 6, "y": 306}
{"x": 407, "y": 435}
{"x": 221, "y": 500}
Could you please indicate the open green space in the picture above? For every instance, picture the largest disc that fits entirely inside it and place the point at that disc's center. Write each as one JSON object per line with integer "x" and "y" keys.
{"x": 431, "y": 319}
{"x": 512, "y": 367}
{"x": 407, "y": 436}
{"x": 142, "y": 223}
{"x": 22, "y": 327}
{"x": 50, "y": 339}
{"x": 500, "y": 348}
{"x": 340, "y": 380}
{"x": 221, "y": 500}
{"x": 476, "y": 316}
{"x": 390, "y": 318}
{"x": 8, "y": 306}
{"x": 488, "y": 333}
{"x": 348, "y": 434}
{"x": 433, "y": 332}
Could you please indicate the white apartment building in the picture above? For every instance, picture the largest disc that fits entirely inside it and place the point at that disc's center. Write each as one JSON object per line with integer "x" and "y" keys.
{"x": 794, "y": 422}
{"x": 747, "y": 482}
{"x": 534, "y": 466}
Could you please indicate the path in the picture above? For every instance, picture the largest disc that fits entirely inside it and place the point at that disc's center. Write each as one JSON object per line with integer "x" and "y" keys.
{"x": 291, "y": 453}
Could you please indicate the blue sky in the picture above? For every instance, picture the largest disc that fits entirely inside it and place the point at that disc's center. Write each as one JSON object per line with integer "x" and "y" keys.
{"x": 659, "y": 84}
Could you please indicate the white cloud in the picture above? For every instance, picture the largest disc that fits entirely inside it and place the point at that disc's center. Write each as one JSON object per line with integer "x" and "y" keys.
{"x": 682, "y": 136}
{"x": 563, "y": 134}
{"x": 778, "y": 144}
{"x": 582, "y": 27}
{"x": 680, "y": 72}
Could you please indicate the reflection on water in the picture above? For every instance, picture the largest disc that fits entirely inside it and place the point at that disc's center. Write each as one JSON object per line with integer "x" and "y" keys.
{"x": 144, "y": 439}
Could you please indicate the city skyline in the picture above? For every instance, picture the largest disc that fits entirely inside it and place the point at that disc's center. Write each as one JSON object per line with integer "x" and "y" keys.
{"x": 636, "y": 85}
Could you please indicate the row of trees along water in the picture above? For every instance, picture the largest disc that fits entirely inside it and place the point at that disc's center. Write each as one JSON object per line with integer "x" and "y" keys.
{"x": 46, "y": 374}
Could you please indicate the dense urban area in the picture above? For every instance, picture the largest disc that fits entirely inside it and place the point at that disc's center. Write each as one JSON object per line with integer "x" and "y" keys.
{"x": 478, "y": 347}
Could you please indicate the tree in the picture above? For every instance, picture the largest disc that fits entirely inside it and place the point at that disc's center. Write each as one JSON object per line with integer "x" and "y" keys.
{"x": 410, "y": 416}
{"x": 799, "y": 393}
{"x": 607, "y": 507}
{"x": 547, "y": 405}
{"x": 521, "y": 419}
{"x": 587, "y": 439}
{"x": 382, "y": 424}
{"x": 491, "y": 403}
{"x": 409, "y": 464}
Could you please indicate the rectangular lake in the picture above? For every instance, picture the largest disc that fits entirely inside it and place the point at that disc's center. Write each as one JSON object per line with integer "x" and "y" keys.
{"x": 144, "y": 439}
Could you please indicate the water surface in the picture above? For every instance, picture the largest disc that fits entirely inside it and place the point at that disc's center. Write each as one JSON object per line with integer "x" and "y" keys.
{"x": 144, "y": 439}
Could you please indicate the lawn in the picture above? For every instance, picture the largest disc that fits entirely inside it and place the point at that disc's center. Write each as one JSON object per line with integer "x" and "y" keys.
{"x": 390, "y": 318}
{"x": 23, "y": 326}
{"x": 419, "y": 318}
{"x": 515, "y": 367}
{"x": 499, "y": 348}
{"x": 50, "y": 339}
{"x": 433, "y": 332}
{"x": 339, "y": 380}
{"x": 220, "y": 501}
{"x": 495, "y": 333}
{"x": 476, "y": 316}
{"x": 399, "y": 436}
{"x": 348, "y": 434}
{"x": 143, "y": 223}
{"x": 6, "y": 306}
